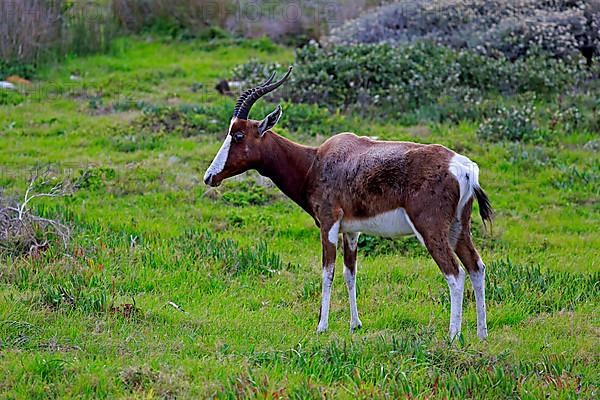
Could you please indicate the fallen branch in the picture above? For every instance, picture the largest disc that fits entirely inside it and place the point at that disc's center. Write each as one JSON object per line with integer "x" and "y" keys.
{"x": 21, "y": 231}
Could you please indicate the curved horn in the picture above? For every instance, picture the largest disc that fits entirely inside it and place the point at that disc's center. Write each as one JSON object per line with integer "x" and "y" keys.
{"x": 247, "y": 92}
{"x": 249, "y": 97}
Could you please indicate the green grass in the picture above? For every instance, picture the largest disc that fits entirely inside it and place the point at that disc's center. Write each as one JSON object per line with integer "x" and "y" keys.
{"x": 173, "y": 290}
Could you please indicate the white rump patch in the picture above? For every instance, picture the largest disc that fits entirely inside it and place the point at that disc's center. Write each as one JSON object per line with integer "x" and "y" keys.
{"x": 467, "y": 176}
{"x": 394, "y": 223}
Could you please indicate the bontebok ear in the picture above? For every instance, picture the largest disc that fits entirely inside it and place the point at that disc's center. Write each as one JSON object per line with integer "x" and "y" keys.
{"x": 270, "y": 121}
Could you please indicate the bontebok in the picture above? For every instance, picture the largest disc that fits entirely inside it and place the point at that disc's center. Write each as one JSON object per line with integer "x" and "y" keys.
{"x": 353, "y": 184}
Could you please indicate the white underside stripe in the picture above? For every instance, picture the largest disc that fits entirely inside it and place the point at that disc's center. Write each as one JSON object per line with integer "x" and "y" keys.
{"x": 394, "y": 223}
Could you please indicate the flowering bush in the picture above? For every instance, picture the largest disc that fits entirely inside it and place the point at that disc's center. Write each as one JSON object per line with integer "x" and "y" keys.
{"x": 512, "y": 124}
{"x": 492, "y": 27}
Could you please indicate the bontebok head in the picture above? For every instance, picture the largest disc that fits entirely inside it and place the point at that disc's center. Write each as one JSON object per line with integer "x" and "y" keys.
{"x": 241, "y": 149}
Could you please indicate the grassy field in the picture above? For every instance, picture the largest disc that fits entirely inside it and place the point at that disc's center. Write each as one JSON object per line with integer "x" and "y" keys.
{"x": 170, "y": 289}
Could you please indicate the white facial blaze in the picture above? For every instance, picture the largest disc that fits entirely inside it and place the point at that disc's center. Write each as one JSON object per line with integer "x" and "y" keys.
{"x": 220, "y": 160}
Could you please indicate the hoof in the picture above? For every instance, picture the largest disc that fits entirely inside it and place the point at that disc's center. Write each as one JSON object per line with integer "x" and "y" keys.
{"x": 355, "y": 326}
{"x": 322, "y": 328}
{"x": 482, "y": 334}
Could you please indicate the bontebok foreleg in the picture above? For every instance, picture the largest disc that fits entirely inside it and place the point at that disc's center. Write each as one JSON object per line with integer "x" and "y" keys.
{"x": 350, "y": 254}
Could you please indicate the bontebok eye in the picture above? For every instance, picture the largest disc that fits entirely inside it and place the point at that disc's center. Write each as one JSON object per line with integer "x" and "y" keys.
{"x": 238, "y": 137}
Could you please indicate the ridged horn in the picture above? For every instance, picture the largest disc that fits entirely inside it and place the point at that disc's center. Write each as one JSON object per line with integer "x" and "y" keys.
{"x": 250, "y": 96}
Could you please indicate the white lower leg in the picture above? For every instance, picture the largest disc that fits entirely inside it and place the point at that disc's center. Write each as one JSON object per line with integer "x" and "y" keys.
{"x": 456, "y": 285}
{"x": 478, "y": 282}
{"x": 325, "y": 299}
{"x": 350, "y": 277}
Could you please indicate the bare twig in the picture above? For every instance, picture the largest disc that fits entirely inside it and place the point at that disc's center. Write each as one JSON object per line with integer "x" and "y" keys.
{"x": 21, "y": 231}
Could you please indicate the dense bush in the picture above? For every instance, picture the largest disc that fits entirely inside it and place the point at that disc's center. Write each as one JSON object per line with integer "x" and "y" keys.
{"x": 410, "y": 77}
{"x": 496, "y": 27}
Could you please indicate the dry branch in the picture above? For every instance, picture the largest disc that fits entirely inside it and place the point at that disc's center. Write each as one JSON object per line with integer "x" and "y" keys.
{"x": 24, "y": 232}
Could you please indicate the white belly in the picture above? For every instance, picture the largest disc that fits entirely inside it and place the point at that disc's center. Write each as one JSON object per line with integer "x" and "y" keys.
{"x": 392, "y": 223}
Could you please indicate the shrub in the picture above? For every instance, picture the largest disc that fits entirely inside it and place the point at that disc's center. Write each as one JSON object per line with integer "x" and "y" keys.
{"x": 14, "y": 67}
{"x": 528, "y": 156}
{"x": 577, "y": 113}
{"x": 407, "y": 78}
{"x": 510, "y": 123}
{"x": 496, "y": 27}
{"x": 94, "y": 179}
{"x": 170, "y": 119}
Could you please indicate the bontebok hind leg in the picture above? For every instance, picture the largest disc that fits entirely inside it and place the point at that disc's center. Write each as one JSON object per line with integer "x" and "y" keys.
{"x": 472, "y": 262}
{"x": 350, "y": 254}
{"x": 439, "y": 247}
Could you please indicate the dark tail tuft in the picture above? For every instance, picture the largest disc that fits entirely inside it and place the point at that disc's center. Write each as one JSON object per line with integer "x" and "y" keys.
{"x": 485, "y": 207}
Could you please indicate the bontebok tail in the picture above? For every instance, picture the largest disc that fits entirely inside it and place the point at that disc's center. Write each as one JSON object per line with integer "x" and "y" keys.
{"x": 467, "y": 176}
{"x": 485, "y": 207}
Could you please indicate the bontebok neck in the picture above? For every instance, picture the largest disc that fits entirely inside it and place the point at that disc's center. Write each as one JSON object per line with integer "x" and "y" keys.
{"x": 288, "y": 165}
